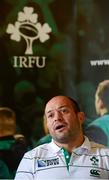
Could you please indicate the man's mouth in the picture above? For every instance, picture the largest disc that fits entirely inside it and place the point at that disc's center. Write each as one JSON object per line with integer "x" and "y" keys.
{"x": 60, "y": 127}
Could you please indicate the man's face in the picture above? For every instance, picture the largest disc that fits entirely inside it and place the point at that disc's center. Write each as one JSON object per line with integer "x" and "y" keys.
{"x": 63, "y": 122}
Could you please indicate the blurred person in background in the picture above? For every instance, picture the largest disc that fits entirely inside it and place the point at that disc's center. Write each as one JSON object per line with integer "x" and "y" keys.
{"x": 12, "y": 145}
{"x": 4, "y": 171}
{"x": 28, "y": 107}
{"x": 98, "y": 130}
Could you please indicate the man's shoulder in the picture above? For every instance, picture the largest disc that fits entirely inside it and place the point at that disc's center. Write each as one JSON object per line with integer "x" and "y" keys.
{"x": 99, "y": 147}
{"x": 38, "y": 150}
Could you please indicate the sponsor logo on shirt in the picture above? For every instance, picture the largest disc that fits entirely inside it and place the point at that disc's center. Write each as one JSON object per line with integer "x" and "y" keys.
{"x": 49, "y": 162}
{"x": 95, "y": 172}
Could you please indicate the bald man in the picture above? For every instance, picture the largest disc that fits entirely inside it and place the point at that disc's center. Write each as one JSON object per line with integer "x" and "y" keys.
{"x": 70, "y": 155}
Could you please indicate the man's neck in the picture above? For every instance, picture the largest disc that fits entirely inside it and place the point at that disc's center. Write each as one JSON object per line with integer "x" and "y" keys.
{"x": 72, "y": 144}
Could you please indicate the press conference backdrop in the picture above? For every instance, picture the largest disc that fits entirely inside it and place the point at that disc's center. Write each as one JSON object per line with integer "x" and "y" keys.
{"x": 51, "y": 47}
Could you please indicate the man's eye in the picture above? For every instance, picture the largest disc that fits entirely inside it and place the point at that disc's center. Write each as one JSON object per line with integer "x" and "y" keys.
{"x": 50, "y": 116}
{"x": 64, "y": 110}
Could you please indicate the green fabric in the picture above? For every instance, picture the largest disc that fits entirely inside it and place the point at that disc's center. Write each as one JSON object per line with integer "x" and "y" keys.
{"x": 4, "y": 172}
{"x": 67, "y": 157}
{"x": 6, "y": 144}
{"x": 98, "y": 130}
{"x": 43, "y": 140}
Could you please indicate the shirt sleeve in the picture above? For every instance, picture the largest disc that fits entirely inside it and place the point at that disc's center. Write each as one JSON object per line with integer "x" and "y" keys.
{"x": 25, "y": 170}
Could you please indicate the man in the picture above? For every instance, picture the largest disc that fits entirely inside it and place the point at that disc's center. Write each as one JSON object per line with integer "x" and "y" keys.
{"x": 12, "y": 145}
{"x": 70, "y": 155}
{"x": 98, "y": 130}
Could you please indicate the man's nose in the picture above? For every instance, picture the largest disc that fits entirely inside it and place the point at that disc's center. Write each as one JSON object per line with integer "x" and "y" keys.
{"x": 58, "y": 115}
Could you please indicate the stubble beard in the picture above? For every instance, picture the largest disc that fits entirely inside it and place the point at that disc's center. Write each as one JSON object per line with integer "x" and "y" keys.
{"x": 64, "y": 137}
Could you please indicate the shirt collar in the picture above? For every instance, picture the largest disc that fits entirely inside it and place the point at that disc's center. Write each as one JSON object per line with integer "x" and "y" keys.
{"x": 54, "y": 147}
{"x": 84, "y": 147}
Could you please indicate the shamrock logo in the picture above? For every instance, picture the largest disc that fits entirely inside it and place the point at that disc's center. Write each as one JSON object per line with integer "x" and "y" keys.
{"x": 28, "y": 27}
{"x": 94, "y": 160}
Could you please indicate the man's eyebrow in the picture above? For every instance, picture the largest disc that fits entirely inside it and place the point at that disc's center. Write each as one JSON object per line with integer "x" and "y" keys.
{"x": 57, "y": 108}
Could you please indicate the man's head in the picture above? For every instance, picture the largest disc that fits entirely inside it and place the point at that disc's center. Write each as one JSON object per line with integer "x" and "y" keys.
{"x": 102, "y": 98}
{"x": 7, "y": 121}
{"x": 64, "y": 119}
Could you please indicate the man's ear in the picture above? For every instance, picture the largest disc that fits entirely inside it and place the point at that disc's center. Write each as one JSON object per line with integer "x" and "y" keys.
{"x": 81, "y": 117}
{"x": 45, "y": 125}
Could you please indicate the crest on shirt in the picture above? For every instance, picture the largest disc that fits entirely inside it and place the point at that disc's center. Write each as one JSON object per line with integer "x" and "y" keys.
{"x": 94, "y": 160}
{"x": 48, "y": 162}
{"x": 94, "y": 172}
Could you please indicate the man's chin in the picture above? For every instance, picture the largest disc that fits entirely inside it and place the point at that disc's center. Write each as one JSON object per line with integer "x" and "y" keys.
{"x": 61, "y": 139}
